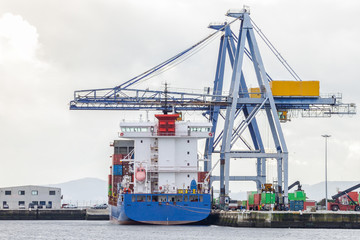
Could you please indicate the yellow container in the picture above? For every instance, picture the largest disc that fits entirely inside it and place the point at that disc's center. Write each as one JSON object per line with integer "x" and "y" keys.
{"x": 180, "y": 191}
{"x": 295, "y": 88}
{"x": 255, "y": 90}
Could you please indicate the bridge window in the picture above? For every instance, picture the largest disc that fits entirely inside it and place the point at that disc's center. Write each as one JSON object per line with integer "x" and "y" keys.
{"x": 134, "y": 129}
{"x": 200, "y": 129}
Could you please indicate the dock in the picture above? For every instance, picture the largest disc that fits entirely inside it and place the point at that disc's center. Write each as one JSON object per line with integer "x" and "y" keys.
{"x": 58, "y": 214}
{"x": 289, "y": 219}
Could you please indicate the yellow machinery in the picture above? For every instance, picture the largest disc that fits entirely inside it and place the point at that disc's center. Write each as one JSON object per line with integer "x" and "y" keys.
{"x": 290, "y": 89}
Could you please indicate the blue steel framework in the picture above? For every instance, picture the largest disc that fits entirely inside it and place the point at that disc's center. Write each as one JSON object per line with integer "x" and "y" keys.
{"x": 238, "y": 103}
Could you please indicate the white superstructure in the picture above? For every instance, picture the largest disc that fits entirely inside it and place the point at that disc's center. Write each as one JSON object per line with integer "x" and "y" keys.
{"x": 166, "y": 151}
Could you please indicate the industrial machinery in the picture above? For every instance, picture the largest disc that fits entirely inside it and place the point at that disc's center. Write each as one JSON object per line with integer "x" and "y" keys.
{"x": 297, "y": 183}
{"x": 233, "y": 113}
{"x": 346, "y": 200}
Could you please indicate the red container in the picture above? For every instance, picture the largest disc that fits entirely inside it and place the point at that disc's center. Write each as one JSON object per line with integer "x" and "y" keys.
{"x": 117, "y": 179}
{"x": 257, "y": 198}
{"x": 201, "y": 176}
{"x": 309, "y": 204}
{"x": 110, "y": 179}
{"x": 117, "y": 159}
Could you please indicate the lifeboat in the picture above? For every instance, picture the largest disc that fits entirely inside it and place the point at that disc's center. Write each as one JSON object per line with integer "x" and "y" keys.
{"x": 140, "y": 174}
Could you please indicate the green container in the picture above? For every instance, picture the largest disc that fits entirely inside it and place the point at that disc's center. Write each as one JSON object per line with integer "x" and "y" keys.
{"x": 110, "y": 190}
{"x": 300, "y": 196}
{"x": 267, "y": 198}
{"x": 244, "y": 203}
{"x": 251, "y": 199}
{"x": 291, "y": 196}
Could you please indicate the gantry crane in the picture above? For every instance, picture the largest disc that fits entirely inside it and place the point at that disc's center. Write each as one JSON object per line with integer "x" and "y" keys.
{"x": 238, "y": 109}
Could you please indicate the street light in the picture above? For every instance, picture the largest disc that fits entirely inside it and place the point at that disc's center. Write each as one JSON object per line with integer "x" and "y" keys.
{"x": 326, "y": 136}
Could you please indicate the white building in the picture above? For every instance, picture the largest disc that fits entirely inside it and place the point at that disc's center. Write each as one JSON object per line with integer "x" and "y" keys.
{"x": 24, "y": 197}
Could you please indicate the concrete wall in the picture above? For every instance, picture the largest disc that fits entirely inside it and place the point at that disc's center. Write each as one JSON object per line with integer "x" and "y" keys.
{"x": 286, "y": 219}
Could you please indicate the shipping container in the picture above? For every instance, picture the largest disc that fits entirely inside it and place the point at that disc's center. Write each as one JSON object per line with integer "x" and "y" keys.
{"x": 296, "y": 205}
{"x": 116, "y": 180}
{"x": 110, "y": 179}
{"x": 117, "y": 170}
{"x": 201, "y": 176}
{"x": 251, "y": 199}
{"x": 291, "y": 196}
{"x": 300, "y": 195}
{"x": 257, "y": 198}
{"x": 310, "y": 205}
{"x": 267, "y": 198}
{"x": 255, "y": 93}
{"x": 110, "y": 190}
{"x": 116, "y": 160}
{"x": 295, "y": 88}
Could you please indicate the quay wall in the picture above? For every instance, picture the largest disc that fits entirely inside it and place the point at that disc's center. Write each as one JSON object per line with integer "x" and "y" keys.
{"x": 65, "y": 214}
{"x": 277, "y": 219}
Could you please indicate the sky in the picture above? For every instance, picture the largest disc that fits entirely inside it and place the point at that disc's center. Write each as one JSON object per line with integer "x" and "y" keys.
{"x": 48, "y": 49}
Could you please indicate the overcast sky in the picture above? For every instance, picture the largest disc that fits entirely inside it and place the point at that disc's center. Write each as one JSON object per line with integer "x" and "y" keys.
{"x": 48, "y": 49}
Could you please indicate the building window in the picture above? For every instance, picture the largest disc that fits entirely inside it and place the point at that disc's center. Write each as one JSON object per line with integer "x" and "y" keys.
{"x": 21, "y": 203}
{"x": 35, "y": 203}
{"x": 42, "y": 203}
{"x": 188, "y": 153}
{"x": 8, "y": 192}
{"x": 34, "y": 192}
{"x": 52, "y": 192}
{"x": 21, "y": 192}
{"x": 188, "y": 141}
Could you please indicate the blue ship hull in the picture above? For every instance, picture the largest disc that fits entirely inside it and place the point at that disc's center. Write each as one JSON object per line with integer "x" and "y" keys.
{"x": 165, "y": 209}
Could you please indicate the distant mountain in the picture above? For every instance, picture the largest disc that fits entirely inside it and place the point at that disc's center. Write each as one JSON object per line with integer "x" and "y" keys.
{"x": 84, "y": 192}
{"x": 313, "y": 192}
{"x": 90, "y": 191}
{"x": 317, "y": 191}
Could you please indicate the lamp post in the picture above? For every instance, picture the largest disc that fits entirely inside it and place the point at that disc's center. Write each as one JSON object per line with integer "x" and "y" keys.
{"x": 326, "y": 136}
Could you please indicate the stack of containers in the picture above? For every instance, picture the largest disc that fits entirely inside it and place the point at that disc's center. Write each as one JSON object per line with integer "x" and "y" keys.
{"x": 117, "y": 171}
{"x": 110, "y": 185}
{"x": 251, "y": 202}
{"x": 297, "y": 200}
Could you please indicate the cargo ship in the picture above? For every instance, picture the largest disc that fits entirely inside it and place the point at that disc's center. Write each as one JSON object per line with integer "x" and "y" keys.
{"x": 155, "y": 174}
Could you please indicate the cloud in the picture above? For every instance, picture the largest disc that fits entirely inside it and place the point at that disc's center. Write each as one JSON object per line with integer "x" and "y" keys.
{"x": 18, "y": 40}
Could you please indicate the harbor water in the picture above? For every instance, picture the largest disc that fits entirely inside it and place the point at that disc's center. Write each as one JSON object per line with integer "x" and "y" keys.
{"x": 104, "y": 230}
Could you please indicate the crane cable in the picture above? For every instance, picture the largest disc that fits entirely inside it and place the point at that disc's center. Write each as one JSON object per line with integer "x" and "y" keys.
{"x": 275, "y": 51}
{"x": 173, "y": 61}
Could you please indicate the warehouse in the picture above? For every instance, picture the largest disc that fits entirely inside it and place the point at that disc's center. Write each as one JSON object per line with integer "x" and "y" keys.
{"x": 24, "y": 197}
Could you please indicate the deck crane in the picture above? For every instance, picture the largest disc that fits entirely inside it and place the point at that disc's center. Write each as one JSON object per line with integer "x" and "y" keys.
{"x": 240, "y": 104}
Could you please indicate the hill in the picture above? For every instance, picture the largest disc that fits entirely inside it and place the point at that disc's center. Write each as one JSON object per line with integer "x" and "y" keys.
{"x": 84, "y": 192}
